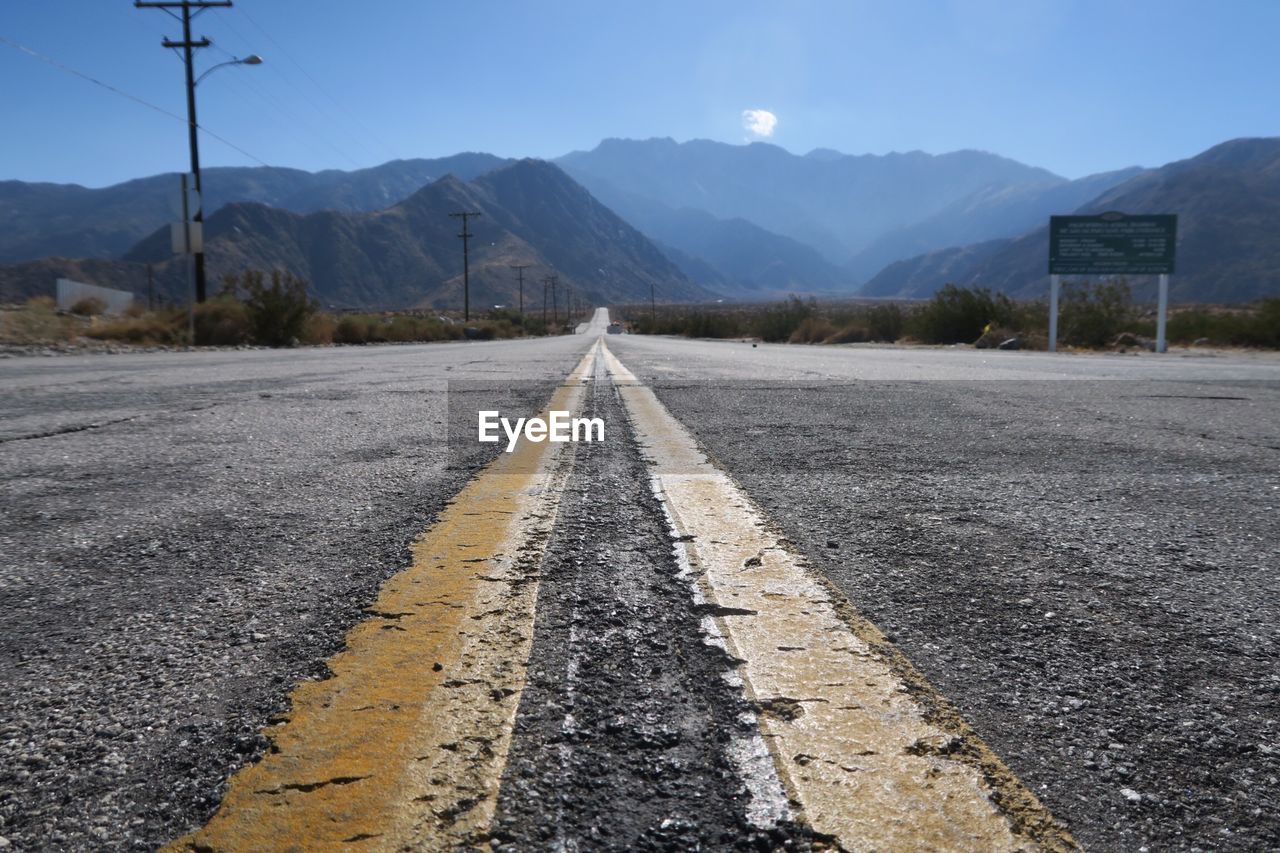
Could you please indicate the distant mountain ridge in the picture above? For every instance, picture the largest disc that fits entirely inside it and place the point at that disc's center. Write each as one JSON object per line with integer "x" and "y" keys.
{"x": 746, "y": 221}
{"x": 409, "y": 255}
{"x": 41, "y": 219}
{"x": 836, "y": 203}
{"x": 733, "y": 255}
{"x": 752, "y": 221}
{"x": 990, "y": 212}
{"x": 1227, "y": 200}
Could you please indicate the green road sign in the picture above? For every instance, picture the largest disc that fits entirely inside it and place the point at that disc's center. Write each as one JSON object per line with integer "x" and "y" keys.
{"x": 1112, "y": 244}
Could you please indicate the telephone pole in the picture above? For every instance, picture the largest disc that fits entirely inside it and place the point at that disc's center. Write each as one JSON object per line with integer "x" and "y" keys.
{"x": 466, "y": 268}
{"x": 520, "y": 268}
{"x": 190, "y": 9}
{"x": 555, "y": 312}
{"x": 548, "y": 283}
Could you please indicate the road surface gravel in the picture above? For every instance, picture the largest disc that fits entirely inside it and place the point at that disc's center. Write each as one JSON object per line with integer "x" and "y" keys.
{"x": 1088, "y": 569}
{"x": 183, "y": 537}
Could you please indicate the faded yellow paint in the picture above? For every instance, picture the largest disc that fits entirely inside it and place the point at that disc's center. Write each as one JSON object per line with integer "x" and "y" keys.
{"x": 405, "y": 744}
{"x": 871, "y": 755}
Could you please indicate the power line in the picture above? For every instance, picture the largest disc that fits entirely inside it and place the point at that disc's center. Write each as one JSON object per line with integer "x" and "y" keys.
{"x": 63, "y": 67}
{"x": 287, "y": 55}
{"x": 325, "y": 120}
{"x": 313, "y": 133}
{"x": 276, "y": 111}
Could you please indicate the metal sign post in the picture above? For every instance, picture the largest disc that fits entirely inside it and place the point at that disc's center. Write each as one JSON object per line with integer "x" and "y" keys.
{"x": 1111, "y": 244}
{"x": 1055, "y": 281}
{"x": 1161, "y": 311}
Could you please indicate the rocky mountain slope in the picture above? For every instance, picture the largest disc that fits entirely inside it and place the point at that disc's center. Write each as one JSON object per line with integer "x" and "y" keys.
{"x": 1227, "y": 200}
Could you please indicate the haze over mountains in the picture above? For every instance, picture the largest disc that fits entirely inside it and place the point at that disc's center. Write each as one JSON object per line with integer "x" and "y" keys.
{"x": 696, "y": 220}
{"x": 1227, "y": 200}
{"x": 408, "y": 255}
{"x": 40, "y": 219}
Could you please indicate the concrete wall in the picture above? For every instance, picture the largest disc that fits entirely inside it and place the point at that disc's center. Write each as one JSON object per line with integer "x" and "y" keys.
{"x": 70, "y": 292}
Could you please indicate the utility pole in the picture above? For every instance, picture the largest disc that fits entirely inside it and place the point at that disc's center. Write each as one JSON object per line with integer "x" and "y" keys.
{"x": 546, "y": 285}
{"x": 653, "y": 307}
{"x": 520, "y": 268}
{"x": 466, "y": 268}
{"x": 555, "y": 312}
{"x": 190, "y": 9}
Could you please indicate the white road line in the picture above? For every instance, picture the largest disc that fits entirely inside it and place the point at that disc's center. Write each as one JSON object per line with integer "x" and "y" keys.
{"x": 872, "y": 756}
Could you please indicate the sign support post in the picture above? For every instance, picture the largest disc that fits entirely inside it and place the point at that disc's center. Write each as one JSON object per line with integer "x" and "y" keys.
{"x": 1162, "y": 314}
{"x": 1055, "y": 282}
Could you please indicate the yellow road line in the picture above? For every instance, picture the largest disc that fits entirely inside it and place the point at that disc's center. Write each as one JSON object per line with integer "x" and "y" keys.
{"x": 872, "y": 757}
{"x": 405, "y": 744}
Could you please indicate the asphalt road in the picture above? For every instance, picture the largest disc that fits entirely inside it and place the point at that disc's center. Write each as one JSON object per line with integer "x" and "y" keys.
{"x": 1080, "y": 552}
{"x": 183, "y": 537}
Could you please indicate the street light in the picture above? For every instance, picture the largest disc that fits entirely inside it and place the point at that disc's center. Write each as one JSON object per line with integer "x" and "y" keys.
{"x": 251, "y": 59}
{"x": 199, "y": 256}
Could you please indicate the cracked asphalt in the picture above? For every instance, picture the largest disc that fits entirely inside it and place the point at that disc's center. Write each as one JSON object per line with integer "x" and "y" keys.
{"x": 1084, "y": 560}
{"x": 1089, "y": 569}
{"x": 626, "y": 725}
{"x": 183, "y": 537}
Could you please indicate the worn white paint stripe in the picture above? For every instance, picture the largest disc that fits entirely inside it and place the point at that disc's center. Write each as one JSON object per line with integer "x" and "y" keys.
{"x": 873, "y": 758}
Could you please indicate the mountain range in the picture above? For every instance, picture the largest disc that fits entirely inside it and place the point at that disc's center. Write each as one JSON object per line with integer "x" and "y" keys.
{"x": 1227, "y": 200}
{"x": 702, "y": 219}
{"x": 409, "y": 255}
{"x": 41, "y": 219}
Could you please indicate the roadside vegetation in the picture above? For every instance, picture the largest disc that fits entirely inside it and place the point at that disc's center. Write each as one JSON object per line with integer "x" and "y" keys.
{"x": 1091, "y": 316}
{"x": 252, "y": 308}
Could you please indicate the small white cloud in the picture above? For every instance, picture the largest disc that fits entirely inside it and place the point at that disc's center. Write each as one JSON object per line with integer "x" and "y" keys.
{"x": 759, "y": 123}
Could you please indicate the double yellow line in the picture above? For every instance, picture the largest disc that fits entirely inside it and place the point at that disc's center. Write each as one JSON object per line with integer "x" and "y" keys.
{"x": 404, "y": 746}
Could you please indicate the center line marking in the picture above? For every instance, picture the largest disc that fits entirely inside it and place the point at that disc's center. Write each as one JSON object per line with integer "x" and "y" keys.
{"x": 871, "y": 756}
{"x": 404, "y": 746}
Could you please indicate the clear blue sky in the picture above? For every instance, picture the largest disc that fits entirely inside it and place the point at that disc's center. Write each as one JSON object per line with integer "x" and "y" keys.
{"x": 1075, "y": 86}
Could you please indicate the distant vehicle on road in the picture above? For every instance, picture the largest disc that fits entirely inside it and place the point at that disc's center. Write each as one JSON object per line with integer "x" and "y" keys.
{"x": 615, "y": 329}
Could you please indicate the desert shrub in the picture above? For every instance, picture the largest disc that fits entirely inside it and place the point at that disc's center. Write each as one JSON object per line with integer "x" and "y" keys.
{"x": 1264, "y": 331}
{"x": 885, "y": 322}
{"x": 960, "y": 315}
{"x": 278, "y": 310}
{"x": 319, "y": 329}
{"x": 135, "y": 309}
{"x": 164, "y": 327}
{"x": 850, "y": 333}
{"x": 812, "y": 330}
{"x": 779, "y": 322}
{"x": 89, "y": 306}
{"x": 402, "y": 328}
{"x": 1258, "y": 325}
{"x": 352, "y": 329}
{"x": 222, "y": 321}
{"x": 37, "y": 322}
{"x": 711, "y": 324}
{"x": 510, "y": 315}
{"x": 1092, "y": 315}
{"x": 532, "y": 325}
